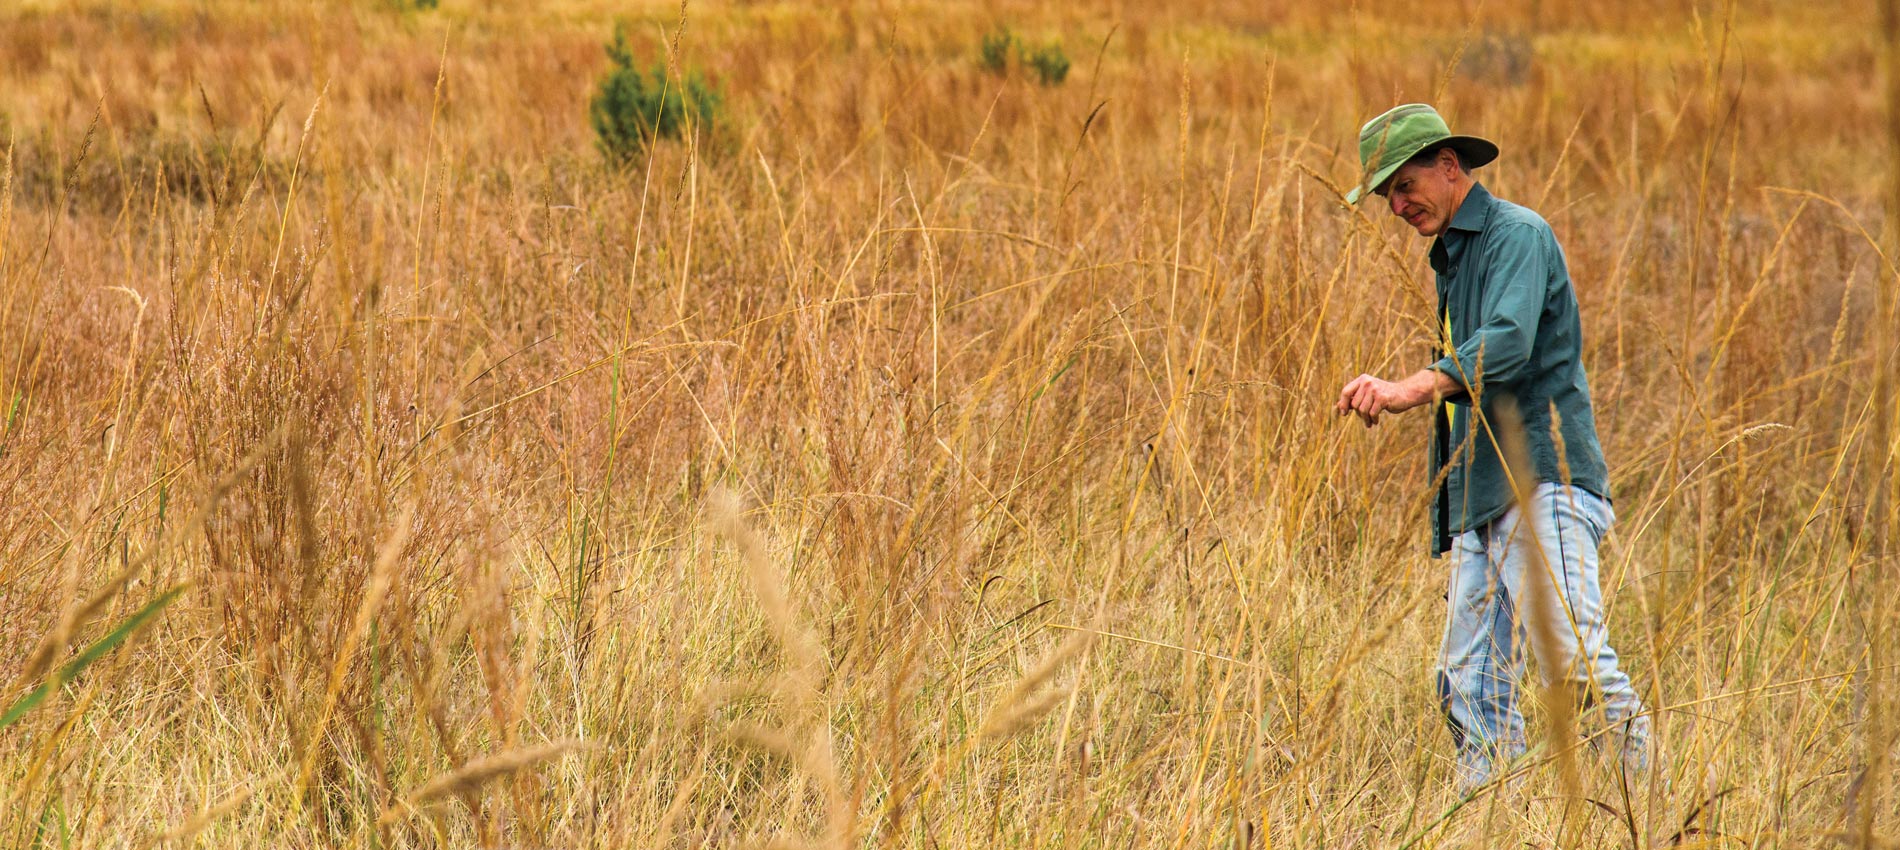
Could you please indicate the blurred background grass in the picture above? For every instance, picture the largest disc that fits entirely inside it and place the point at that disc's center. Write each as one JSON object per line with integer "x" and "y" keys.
{"x": 335, "y": 314}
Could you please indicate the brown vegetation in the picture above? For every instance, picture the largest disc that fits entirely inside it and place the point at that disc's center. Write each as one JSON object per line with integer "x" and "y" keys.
{"x": 925, "y": 458}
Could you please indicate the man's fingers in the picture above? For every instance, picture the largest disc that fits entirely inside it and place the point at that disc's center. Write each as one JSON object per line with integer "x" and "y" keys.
{"x": 1368, "y": 396}
{"x": 1346, "y": 393}
{"x": 1359, "y": 396}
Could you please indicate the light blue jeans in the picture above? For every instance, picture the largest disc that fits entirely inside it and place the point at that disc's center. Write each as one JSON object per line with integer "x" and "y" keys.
{"x": 1482, "y": 659}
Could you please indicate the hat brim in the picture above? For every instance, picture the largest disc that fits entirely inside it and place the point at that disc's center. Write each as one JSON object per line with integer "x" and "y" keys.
{"x": 1472, "y": 151}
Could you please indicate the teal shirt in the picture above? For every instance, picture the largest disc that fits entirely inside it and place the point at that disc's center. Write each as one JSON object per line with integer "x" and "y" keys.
{"x": 1505, "y": 298}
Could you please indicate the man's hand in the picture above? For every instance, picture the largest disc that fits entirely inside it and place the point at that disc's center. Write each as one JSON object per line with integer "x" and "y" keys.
{"x": 1369, "y": 396}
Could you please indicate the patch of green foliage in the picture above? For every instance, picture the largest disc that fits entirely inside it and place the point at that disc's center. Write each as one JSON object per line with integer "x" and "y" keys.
{"x": 994, "y": 50}
{"x": 632, "y": 108}
{"x": 1050, "y": 63}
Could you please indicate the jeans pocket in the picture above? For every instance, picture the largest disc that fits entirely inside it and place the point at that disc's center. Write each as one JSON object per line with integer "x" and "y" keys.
{"x": 1597, "y": 511}
{"x": 1463, "y": 544}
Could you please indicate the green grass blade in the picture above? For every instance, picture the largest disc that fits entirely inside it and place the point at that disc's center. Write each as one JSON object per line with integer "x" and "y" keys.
{"x": 92, "y": 653}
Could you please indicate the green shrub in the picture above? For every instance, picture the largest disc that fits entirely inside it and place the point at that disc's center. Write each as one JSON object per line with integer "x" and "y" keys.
{"x": 1050, "y": 63}
{"x": 634, "y": 108}
{"x": 995, "y": 49}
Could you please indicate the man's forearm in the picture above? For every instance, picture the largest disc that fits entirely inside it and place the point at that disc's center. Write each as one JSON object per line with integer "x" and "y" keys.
{"x": 1428, "y": 384}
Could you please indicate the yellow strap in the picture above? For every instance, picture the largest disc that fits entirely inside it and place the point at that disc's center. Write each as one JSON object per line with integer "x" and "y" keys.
{"x": 1451, "y": 419}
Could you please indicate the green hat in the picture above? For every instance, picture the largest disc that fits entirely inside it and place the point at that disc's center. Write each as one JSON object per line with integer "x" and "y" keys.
{"x": 1388, "y": 141}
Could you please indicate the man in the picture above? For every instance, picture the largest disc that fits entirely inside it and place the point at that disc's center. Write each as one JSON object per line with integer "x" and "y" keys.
{"x": 1511, "y": 340}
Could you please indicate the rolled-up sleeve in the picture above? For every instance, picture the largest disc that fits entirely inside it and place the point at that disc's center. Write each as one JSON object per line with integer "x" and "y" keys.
{"x": 1516, "y": 277}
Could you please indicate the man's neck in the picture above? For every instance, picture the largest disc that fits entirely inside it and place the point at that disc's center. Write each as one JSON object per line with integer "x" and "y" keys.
{"x": 1460, "y": 189}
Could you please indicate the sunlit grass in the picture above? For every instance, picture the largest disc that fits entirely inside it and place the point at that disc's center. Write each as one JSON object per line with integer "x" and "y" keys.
{"x": 929, "y": 459}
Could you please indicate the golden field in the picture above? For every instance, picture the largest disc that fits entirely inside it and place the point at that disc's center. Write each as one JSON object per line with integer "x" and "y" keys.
{"x": 921, "y": 456}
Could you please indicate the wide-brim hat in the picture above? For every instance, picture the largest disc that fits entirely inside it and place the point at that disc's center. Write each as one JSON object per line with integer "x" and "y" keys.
{"x": 1388, "y": 141}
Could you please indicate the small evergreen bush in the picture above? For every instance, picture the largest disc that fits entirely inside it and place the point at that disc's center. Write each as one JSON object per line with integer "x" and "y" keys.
{"x": 632, "y": 108}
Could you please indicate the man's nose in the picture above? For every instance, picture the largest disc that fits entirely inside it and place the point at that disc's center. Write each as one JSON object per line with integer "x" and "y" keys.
{"x": 1395, "y": 203}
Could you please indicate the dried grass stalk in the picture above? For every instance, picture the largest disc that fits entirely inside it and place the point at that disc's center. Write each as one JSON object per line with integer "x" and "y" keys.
{"x": 1027, "y": 700}
{"x": 199, "y": 822}
{"x": 479, "y": 772}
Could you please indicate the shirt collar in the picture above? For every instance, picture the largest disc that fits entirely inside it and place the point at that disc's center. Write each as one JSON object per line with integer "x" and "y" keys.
{"x": 1475, "y": 212}
{"x": 1471, "y": 217}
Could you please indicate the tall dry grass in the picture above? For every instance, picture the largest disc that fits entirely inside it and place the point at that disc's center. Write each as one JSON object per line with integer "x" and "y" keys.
{"x": 1039, "y": 531}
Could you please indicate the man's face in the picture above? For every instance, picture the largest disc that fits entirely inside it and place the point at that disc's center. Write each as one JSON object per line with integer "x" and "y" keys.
{"x": 1425, "y": 194}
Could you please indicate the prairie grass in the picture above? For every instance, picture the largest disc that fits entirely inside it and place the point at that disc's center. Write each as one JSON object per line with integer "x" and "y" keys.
{"x": 928, "y": 459}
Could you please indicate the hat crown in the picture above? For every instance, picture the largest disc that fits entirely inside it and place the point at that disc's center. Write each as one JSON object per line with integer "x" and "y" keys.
{"x": 1398, "y": 133}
